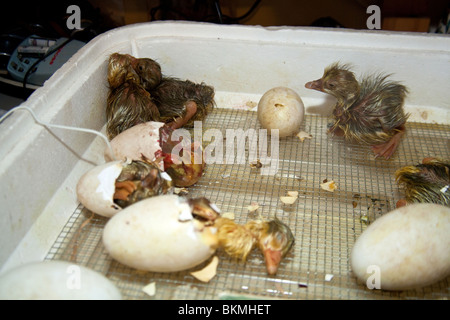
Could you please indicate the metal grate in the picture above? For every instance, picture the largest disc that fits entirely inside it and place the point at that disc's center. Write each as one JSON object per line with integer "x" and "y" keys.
{"x": 325, "y": 224}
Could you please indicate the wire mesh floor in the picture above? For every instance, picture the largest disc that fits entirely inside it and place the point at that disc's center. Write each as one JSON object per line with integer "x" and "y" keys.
{"x": 325, "y": 224}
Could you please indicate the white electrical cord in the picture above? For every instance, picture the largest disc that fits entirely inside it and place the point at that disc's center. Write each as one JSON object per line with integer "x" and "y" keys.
{"x": 58, "y": 126}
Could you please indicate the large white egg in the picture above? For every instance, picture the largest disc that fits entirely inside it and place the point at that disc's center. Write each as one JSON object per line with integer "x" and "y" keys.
{"x": 159, "y": 234}
{"x": 281, "y": 108}
{"x": 404, "y": 249}
{"x": 140, "y": 140}
{"x": 56, "y": 280}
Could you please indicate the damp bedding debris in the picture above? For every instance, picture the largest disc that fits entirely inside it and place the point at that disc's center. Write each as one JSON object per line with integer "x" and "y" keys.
{"x": 328, "y": 185}
{"x": 364, "y": 218}
{"x": 256, "y": 164}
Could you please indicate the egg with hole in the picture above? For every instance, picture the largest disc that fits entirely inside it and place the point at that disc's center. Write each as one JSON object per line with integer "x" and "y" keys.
{"x": 281, "y": 108}
{"x": 159, "y": 234}
{"x": 56, "y": 280}
{"x": 404, "y": 249}
{"x": 108, "y": 188}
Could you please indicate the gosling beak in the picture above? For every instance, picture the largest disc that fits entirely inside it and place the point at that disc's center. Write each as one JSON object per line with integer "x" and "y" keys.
{"x": 315, "y": 85}
{"x": 273, "y": 259}
{"x": 276, "y": 244}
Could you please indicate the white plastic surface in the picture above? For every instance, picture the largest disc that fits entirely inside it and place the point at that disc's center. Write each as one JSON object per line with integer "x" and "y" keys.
{"x": 39, "y": 167}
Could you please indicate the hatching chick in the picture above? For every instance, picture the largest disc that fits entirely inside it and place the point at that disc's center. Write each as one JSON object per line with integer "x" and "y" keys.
{"x": 186, "y": 166}
{"x": 273, "y": 238}
{"x": 369, "y": 112}
{"x": 428, "y": 182}
{"x": 235, "y": 239}
{"x": 139, "y": 180}
{"x": 181, "y": 102}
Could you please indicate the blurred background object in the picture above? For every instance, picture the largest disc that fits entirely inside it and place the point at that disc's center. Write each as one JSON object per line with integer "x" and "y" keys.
{"x": 47, "y": 19}
{"x": 344, "y": 13}
{"x": 22, "y": 71}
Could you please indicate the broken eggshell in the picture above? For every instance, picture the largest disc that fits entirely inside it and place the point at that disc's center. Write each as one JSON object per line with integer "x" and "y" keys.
{"x": 96, "y": 189}
{"x": 140, "y": 140}
{"x": 159, "y": 234}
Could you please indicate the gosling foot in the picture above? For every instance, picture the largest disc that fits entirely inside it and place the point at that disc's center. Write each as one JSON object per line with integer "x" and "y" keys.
{"x": 386, "y": 150}
{"x": 191, "y": 110}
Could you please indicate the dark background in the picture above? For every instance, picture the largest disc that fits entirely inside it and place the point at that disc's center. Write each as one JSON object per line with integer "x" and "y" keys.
{"x": 48, "y": 19}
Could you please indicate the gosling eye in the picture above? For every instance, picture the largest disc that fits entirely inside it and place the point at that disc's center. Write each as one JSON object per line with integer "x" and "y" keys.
{"x": 141, "y": 68}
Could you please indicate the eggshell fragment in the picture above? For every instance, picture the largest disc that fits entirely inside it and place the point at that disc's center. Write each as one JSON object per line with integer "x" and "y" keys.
{"x": 149, "y": 235}
{"x": 150, "y": 289}
{"x": 56, "y": 280}
{"x": 288, "y": 199}
{"x": 135, "y": 142}
{"x": 95, "y": 189}
{"x": 302, "y": 135}
{"x": 281, "y": 108}
{"x": 208, "y": 272}
{"x": 292, "y": 194}
{"x": 404, "y": 249}
{"x": 253, "y": 207}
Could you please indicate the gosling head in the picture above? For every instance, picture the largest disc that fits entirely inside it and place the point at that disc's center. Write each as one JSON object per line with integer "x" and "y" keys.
{"x": 338, "y": 81}
{"x": 275, "y": 242}
{"x": 149, "y": 72}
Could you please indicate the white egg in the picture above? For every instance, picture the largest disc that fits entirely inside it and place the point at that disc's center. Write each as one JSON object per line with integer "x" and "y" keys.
{"x": 159, "y": 234}
{"x": 96, "y": 188}
{"x": 56, "y": 280}
{"x": 135, "y": 142}
{"x": 281, "y": 108}
{"x": 404, "y": 249}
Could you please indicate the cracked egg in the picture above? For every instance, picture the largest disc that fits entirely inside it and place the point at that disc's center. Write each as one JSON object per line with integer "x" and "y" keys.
{"x": 106, "y": 189}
